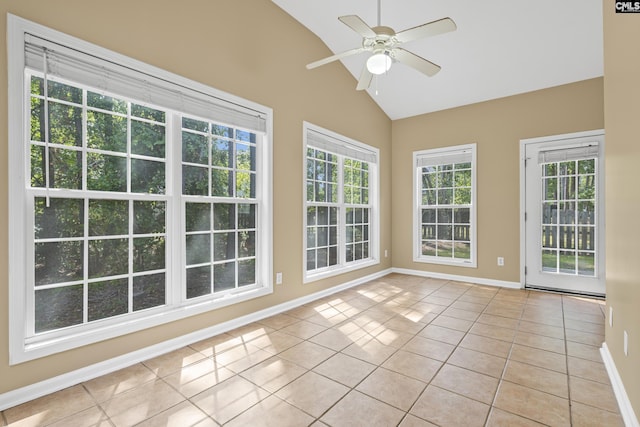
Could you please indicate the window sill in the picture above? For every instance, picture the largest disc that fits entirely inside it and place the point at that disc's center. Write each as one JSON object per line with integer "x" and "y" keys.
{"x": 47, "y": 344}
{"x": 453, "y": 263}
{"x": 314, "y": 277}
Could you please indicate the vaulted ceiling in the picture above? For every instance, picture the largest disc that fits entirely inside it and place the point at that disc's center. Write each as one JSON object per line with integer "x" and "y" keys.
{"x": 500, "y": 47}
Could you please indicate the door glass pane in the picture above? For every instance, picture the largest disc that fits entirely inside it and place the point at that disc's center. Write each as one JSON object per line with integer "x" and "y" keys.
{"x": 568, "y": 217}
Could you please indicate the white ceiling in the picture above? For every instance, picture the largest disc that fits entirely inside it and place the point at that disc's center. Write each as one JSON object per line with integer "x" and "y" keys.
{"x": 501, "y": 47}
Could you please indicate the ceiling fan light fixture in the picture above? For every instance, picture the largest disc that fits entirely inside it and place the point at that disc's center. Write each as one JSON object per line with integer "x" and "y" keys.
{"x": 379, "y": 63}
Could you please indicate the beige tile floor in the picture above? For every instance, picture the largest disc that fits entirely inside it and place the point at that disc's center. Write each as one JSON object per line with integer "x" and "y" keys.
{"x": 400, "y": 350}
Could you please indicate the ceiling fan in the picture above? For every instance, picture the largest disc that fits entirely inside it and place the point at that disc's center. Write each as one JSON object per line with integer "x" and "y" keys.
{"x": 384, "y": 44}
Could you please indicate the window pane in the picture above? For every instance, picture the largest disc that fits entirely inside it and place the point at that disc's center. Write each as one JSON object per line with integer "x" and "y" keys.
{"x": 195, "y": 148}
{"x": 147, "y": 139}
{"x": 147, "y": 176}
{"x": 58, "y": 262}
{"x": 147, "y": 113}
{"x": 586, "y": 213}
{"x": 549, "y": 260}
{"x": 567, "y": 262}
{"x": 445, "y": 216}
{"x": 444, "y": 249}
{"x": 224, "y": 246}
{"x": 108, "y": 217}
{"x": 550, "y": 188}
{"x": 243, "y": 135}
{"x": 246, "y": 216}
{"x": 148, "y": 291}
{"x": 549, "y": 236}
{"x": 58, "y": 308}
{"x": 429, "y": 247}
{"x": 462, "y": 216}
{"x": 245, "y": 184}
{"x": 445, "y": 197}
{"x": 462, "y": 196}
{"x": 429, "y": 232}
{"x": 567, "y": 190}
{"x": 106, "y": 131}
{"x": 108, "y": 257}
{"x": 567, "y": 213}
{"x": 149, "y": 217}
{"x": 311, "y": 215}
{"x": 65, "y": 168}
{"x": 587, "y": 187}
{"x": 107, "y": 299}
{"x": 108, "y": 103}
{"x": 198, "y": 247}
{"x": 198, "y": 216}
{"x": 311, "y": 259}
{"x": 549, "y": 212}
{"x": 195, "y": 181}
{"x": 444, "y": 232}
{"x": 462, "y": 250}
{"x": 194, "y": 124}
{"x": 246, "y": 272}
{"x": 247, "y": 244}
{"x": 224, "y": 216}
{"x": 198, "y": 281}
{"x": 64, "y": 92}
{"x": 65, "y": 124}
{"x": 322, "y": 257}
{"x": 63, "y": 218}
{"x": 245, "y": 157}
{"x": 586, "y": 238}
{"x": 224, "y": 276}
{"x": 222, "y": 153}
{"x": 587, "y": 166}
{"x": 586, "y": 263}
{"x": 428, "y": 215}
{"x": 148, "y": 254}
{"x": 106, "y": 173}
{"x": 462, "y": 233}
{"x": 222, "y": 184}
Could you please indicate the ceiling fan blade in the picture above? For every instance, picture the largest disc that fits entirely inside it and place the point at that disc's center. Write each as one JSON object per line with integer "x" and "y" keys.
{"x": 335, "y": 57}
{"x": 358, "y": 25}
{"x": 365, "y": 79}
{"x": 415, "y": 61}
{"x": 433, "y": 28}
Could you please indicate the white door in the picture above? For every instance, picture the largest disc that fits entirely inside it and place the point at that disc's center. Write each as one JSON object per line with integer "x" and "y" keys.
{"x": 564, "y": 213}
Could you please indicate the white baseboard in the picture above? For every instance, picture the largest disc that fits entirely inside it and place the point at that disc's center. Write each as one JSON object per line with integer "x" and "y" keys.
{"x": 626, "y": 410}
{"x": 42, "y": 388}
{"x": 458, "y": 278}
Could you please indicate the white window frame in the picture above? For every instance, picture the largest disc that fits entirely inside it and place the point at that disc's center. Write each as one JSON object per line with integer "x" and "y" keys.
{"x": 342, "y": 144}
{"x": 438, "y": 154}
{"x": 23, "y": 344}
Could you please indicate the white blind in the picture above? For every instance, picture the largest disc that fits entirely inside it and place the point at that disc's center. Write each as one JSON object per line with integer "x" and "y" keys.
{"x": 444, "y": 158}
{"x": 567, "y": 154}
{"x": 106, "y": 75}
{"x": 329, "y": 143}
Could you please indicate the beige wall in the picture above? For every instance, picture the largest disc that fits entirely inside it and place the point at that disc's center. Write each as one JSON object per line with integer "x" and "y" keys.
{"x": 497, "y": 127}
{"x": 622, "y": 151}
{"x": 251, "y": 49}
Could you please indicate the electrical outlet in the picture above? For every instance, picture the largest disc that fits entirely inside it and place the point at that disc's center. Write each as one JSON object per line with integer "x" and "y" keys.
{"x": 610, "y": 316}
{"x": 626, "y": 343}
{"x": 278, "y": 278}
{"x": 386, "y": 253}
{"x": 501, "y": 261}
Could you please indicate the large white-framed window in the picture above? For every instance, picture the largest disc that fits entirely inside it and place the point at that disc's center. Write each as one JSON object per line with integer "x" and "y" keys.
{"x": 444, "y": 219}
{"x": 341, "y": 204}
{"x": 137, "y": 197}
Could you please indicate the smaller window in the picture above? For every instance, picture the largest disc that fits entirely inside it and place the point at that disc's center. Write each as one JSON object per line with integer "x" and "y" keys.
{"x": 341, "y": 204}
{"x": 445, "y": 206}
